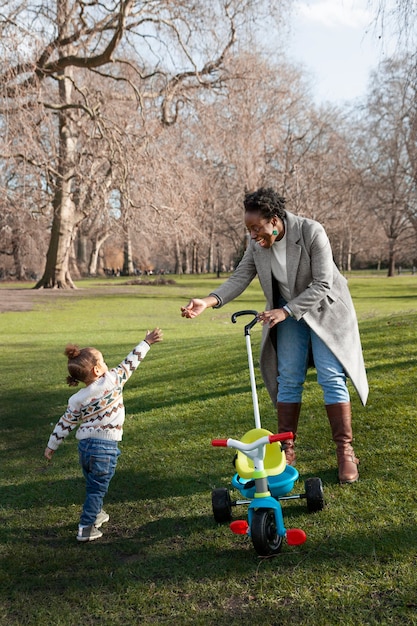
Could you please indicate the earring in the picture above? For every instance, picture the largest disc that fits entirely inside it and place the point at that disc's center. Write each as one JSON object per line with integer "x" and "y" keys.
{"x": 275, "y": 232}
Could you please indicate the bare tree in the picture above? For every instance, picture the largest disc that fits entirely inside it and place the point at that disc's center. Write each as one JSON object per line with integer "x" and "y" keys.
{"x": 228, "y": 144}
{"x": 384, "y": 150}
{"x": 401, "y": 14}
{"x": 173, "y": 49}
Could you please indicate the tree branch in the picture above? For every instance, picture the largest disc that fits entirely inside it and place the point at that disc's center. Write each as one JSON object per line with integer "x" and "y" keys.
{"x": 169, "y": 92}
{"x": 93, "y": 61}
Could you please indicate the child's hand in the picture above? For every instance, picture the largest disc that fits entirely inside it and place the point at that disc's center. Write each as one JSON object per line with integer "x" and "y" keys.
{"x": 48, "y": 453}
{"x": 154, "y": 336}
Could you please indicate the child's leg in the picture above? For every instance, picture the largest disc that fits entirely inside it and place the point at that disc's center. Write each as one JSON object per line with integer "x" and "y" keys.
{"x": 98, "y": 460}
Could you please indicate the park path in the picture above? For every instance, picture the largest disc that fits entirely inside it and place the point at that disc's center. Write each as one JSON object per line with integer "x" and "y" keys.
{"x": 24, "y": 299}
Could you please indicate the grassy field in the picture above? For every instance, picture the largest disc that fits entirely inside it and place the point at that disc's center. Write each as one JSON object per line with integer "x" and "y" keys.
{"x": 162, "y": 558}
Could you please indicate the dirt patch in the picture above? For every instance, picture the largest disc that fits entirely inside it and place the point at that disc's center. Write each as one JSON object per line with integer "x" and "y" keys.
{"x": 19, "y": 299}
{"x": 16, "y": 300}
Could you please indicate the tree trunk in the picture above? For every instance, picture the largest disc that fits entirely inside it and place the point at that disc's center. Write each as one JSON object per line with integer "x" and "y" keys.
{"x": 128, "y": 269}
{"x": 349, "y": 252}
{"x": 186, "y": 263}
{"x": 73, "y": 268}
{"x": 93, "y": 265}
{"x": 82, "y": 254}
{"x": 195, "y": 269}
{"x": 16, "y": 249}
{"x": 391, "y": 258}
{"x": 57, "y": 273}
{"x": 178, "y": 262}
{"x": 210, "y": 261}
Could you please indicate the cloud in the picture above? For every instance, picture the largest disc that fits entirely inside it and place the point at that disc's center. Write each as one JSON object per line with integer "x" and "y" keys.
{"x": 335, "y": 13}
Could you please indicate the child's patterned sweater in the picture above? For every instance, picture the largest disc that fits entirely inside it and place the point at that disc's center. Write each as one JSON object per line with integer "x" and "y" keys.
{"x": 99, "y": 408}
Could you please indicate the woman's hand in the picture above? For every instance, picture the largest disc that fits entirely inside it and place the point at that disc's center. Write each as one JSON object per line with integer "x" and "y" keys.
{"x": 273, "y": 317}
{"x": 197, "y": 306}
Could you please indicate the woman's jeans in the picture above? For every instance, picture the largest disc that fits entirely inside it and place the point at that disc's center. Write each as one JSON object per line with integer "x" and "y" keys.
{"x": 98, "y": 460}
{"x": 294, "y": 339}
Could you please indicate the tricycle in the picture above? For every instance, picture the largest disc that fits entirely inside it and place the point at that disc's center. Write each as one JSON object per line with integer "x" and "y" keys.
{"x": 263, "y": 478}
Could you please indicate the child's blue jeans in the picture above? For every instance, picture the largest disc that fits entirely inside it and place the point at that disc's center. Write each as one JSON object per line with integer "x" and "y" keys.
{"x": 98, "y": 460}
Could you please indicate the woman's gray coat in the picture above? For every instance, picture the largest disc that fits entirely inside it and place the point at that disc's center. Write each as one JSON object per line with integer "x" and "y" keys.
{"x": 319, "y": 295}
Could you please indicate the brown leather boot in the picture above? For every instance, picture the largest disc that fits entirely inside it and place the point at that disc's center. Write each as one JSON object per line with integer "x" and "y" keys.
{"x": 340, "y": 418}
{"x": 288, "y": 414}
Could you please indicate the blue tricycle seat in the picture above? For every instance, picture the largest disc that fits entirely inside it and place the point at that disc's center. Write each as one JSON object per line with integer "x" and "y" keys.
{"x": 278, "y": 485}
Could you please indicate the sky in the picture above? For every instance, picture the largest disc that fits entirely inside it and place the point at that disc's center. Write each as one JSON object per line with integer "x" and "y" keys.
{"x": 337, "y": 43}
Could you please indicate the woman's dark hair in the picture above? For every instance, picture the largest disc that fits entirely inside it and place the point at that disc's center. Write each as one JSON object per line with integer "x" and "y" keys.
{"x": 80, "y": 363}
{"x": 266, "y": 201}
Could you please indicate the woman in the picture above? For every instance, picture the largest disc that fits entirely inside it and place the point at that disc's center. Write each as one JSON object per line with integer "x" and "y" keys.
{"x": 311, "y": 311}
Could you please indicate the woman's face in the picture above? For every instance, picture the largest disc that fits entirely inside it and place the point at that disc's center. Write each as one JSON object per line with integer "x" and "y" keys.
{"x": 260, "y": 229}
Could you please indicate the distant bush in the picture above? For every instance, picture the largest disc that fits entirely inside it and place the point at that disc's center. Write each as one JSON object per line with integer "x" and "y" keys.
{"x": 160, "y": 280}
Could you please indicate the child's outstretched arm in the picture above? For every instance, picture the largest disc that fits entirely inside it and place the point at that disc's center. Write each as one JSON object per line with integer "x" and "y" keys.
{"x": 154, "y": 336}
{"x": 126, "y": 368}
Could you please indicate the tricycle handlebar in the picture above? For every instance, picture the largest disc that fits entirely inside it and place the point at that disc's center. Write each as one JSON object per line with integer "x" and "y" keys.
{"x": 281, "y": 437}
{"x": 239, "y": 445}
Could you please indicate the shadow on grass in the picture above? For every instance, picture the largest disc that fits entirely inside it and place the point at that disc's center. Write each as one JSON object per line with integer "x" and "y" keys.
{"x": 125, "y": 487}
{"x": 192, "y": 547}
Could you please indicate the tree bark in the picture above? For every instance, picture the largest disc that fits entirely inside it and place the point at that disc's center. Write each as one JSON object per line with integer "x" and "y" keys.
{"x": 57, "y": 274}
{"x": 93, "y": 265}
{"x": 128, "y": 269}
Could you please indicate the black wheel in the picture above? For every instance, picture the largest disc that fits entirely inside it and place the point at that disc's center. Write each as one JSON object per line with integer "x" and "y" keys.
{"x": 314, "y": 494}
{"x": 264, "y": 535}
{"x": 222, "y": 505}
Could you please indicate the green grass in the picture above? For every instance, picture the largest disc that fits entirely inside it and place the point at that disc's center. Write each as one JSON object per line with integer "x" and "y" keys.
{"x": 163, "y": 559}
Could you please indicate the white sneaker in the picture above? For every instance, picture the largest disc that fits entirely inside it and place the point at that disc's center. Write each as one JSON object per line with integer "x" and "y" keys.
{"x": 101, "y": 518}
{"x": 89, "y": 533}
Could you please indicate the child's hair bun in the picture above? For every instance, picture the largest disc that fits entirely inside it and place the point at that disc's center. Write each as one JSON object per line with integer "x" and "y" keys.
{"x": 72, "y": 351}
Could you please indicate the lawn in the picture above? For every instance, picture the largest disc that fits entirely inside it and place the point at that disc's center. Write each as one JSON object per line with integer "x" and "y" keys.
{"x": 163, "y": 559}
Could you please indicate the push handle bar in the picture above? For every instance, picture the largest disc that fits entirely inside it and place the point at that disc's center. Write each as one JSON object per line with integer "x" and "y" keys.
{"x": 246, "y": 312}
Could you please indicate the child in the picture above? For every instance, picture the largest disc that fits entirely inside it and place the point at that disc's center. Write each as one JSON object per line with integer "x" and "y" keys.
{"x": 99, "y": 410}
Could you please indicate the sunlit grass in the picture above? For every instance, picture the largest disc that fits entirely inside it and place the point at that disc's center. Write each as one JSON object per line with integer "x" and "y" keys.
{"x": 162, "y": 558}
